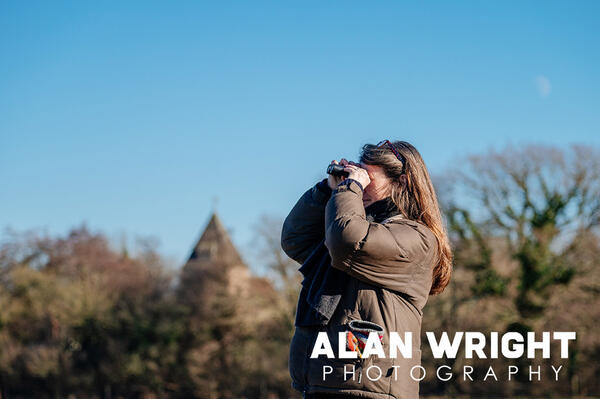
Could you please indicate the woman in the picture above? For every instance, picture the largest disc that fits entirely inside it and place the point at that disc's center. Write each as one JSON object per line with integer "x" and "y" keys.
{"x": 372, "y": 248}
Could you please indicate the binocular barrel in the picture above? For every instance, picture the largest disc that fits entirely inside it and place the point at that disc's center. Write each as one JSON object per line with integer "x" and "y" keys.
{"x": 337, "y": 170}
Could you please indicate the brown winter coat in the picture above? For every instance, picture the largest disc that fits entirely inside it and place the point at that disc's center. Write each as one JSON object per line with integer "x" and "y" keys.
{"x": 391, "y": 264}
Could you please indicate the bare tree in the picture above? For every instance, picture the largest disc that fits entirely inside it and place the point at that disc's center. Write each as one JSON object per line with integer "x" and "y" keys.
{"x": 524, "y": 223}
{"x": 540, "y": 199}
{"x": 283, "y": 269}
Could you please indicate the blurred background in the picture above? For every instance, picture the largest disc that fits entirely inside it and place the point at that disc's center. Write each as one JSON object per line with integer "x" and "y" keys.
{"x": 149, "y": 152}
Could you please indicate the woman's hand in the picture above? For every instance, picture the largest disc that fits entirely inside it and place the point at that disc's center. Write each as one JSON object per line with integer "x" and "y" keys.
{"x": 354, "y": 172}
{"x": 359, "y": 174}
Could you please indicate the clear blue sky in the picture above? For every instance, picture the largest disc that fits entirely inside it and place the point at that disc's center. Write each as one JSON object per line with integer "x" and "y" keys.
{"x": 132, "y": 116}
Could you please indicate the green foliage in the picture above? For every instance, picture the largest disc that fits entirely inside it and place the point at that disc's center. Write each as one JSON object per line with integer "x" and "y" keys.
{"x": 488, "y": 283}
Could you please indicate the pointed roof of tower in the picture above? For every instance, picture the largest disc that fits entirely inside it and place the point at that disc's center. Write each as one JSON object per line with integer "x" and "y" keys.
{"x": 215, "y": 271}
{"x": 215, "y": 246}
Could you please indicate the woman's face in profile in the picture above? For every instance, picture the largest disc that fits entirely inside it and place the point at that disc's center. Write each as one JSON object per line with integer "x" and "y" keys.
{"x": 379, "y": 188}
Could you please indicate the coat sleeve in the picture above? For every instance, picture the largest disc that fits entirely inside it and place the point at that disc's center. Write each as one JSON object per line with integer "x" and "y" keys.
{"x": 384, "y": 255}
{"x": 304, "y": 227}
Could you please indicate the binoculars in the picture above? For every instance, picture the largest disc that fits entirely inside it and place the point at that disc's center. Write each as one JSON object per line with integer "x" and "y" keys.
{"x": 337, "y": 170}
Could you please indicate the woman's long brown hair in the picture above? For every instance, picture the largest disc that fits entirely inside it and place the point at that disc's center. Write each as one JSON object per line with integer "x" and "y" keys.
{"x": 416, "y": 200}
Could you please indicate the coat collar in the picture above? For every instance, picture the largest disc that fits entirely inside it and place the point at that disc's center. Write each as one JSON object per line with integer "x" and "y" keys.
{"x": 380, "y": 210}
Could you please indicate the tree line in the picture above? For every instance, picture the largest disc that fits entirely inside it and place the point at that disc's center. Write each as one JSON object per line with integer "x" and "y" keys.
{"x": 81, "y": 319}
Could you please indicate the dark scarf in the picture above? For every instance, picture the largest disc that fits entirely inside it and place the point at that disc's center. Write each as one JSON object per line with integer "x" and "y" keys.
{"x": 323, "y": 285}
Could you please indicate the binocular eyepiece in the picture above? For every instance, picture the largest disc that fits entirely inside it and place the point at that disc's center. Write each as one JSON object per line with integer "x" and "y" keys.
{"x": 337, "y": 170}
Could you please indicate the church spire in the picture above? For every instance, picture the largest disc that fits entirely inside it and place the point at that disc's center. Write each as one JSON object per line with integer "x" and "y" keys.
{"x": 215, "y": 246}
